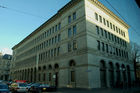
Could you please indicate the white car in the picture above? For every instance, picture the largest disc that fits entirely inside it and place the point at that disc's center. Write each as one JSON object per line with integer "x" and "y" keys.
{"x": 19, "y": 87}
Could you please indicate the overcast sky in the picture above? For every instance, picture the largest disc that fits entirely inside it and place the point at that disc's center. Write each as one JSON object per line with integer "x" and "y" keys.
{"x": 18, "y": 18}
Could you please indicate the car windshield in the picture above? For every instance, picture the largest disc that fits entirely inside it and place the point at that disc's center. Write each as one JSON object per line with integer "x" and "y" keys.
{"x": 22, "y": 85}
{"x": 3, "y": 87}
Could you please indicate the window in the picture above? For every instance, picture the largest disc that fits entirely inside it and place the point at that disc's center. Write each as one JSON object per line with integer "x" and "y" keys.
{"x": 58, "y": 50}
{"x": 44, "y": 77}
{"x": 98, "y": 46}
{"x": 74, "y": 45}
{"x": 117, "y": 51}
{"x": 55, "y": 52}
{"x": 100, "y": 18}
{"x": 109, "y": 35}
{"x": 59, "y": 37}
{"x": 74, "y": 30}
{"x": 119, "y": 31}
{"x": 97, "y": 30}
{"x": 102, "y": 31}
{"x": 50, "y": 31}
{"x": 52, "y": 41}
{"x": 50, "y": 78}
{"x": 107, "y": 23}
{"x": 51, "y": 52}
{"x": 103, "y": 47}
{"x": 59, "y": 26}
{"x": 72, "y": 76}
{"x": 55, "y": 39}
{"x": 104, "y": 21}
{"x": 107, "y": 48}
{"x": 114, "y": 27}
{"x": 96, "y": 16}
{"x": 105, "y": 33}
{"x": 74, "y": 15}
{"x": 110, "y": 49}
{"x": 49, "y": 42}
{"x": 111, "y": 25}
{"x": 69, "y": 32}
{"x": 69, "y": 47}
{"x": 55, "y": 28}
{"x": 69, "y": 19}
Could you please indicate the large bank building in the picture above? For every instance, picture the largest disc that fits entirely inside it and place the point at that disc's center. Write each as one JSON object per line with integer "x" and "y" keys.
{"x": 84, "y": 45}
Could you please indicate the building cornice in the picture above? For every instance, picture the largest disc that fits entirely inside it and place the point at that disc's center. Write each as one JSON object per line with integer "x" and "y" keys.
{"x": 107, "y": 11}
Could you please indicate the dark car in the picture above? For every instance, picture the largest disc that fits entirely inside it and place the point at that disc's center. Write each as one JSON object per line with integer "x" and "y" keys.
{"x": 46, "y": 88}
{"x": 4, "y": 88}
{"x": 34, "y": 88}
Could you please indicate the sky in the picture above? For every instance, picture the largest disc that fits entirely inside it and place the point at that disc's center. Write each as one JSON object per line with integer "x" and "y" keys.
{"x": 18, "y": 18}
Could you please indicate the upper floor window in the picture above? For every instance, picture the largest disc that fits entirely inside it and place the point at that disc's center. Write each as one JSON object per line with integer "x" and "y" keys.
{"x": 98, "y": 46}
{"x": 74, "y": 15}
{"x": 69, "y": 47}
{"x": 59, "y": 26}
{"x": 69, "y": 32}
{"x": 74, "y": 30}
{"x": 114, "y": 27}
{"x": 104, "y": 21}
{"x": 111, "y": 25}
{"x": 107, "y": 23}
{"x": 69, "y": 19}
{"x": 74, "y": 45}
{"x": 59, "y": 37}
{"x": 56, "y": 28}
{"x": 105, "y": 33}
{"x": 100, "y": 18}
{"x": 103, "y": 47}
{"x": 97, "y": 30}
{"x": 102, "y": 31}
{"x": 96, "y": 16}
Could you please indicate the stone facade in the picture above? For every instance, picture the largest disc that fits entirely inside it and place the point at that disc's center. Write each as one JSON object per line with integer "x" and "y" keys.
{"x": 84, "y": 45}
{"x": 5, "y": 66}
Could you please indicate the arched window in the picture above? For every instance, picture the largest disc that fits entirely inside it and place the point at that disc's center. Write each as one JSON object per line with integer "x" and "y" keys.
{"x": 56, "y": 66}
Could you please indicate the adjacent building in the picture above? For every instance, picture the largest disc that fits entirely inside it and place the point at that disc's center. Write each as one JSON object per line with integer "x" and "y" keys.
{"x": 5, "y": 66}
{"x": 84, "y": 45}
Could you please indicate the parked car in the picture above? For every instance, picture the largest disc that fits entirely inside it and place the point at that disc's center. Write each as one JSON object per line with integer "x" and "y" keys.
{"x": 18, "y": 87}
{"x": 34, "y": 88}
{"x": 46, "y": 88}
{"x": 4, "y": 88}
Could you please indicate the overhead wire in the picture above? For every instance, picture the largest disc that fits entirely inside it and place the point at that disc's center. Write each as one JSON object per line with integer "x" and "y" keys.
{"x": 122, "y": 17}
{"x": 19, "y": 11}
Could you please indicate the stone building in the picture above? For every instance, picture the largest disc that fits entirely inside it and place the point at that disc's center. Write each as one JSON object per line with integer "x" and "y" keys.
{"x": 5, "y": 66}
{"x": 84, "y": 45}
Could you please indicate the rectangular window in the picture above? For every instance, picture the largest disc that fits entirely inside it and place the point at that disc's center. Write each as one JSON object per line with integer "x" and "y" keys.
{"x": 74, "y": 16}
{"x": 69, "y": 47}
{"x": 104, "y": 21}
{"x": 109, "y": 35}
{"x": 96, "y": 16}
{"x": 110, "y": 49}
{"x": 111, "y": 25}
{"x": 72, "y": 76}
{"x": 59, "y": 26}
{"x": 69, "y": 19}
{"x": 58, "y": 50}
{"x": 44, "y": 77}
{"x": 114, "y": 27}
{"x": 55, "y": 39}
{"x": 55, "y": 28}
{"x": 107, "y": 23}
{"x": 103, "y": 47}
{"x": 119, "y": 31}
{"x": 51, "y": 52}
{"x": 105, "y": 33}
{"x": 98, "y": 46}
{"x": 50, "y": 31}
{"x": 102, "y": 31}
{"x": 52, "y": 41}
{"x": 74, "y": 45}
{"x": 50, "y": 77}
{"x": 107, "y": 48}
{"x": 49, "y": 42}
{"x": 97, "y": 30}
{"x": 100, "y": 18}
{"x": 69, "y": 32}
{"x": 74, "y": 30}
{"x": 55, "y": 52}
{"x": 117, "y": 51}
{"x": 59, "y": 37}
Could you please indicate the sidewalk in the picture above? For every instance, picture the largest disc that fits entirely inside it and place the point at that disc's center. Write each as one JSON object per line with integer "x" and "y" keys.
{"x": 104, "y": 90}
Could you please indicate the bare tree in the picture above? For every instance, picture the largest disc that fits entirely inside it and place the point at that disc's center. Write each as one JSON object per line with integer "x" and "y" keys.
{"x": 135, "y": 55}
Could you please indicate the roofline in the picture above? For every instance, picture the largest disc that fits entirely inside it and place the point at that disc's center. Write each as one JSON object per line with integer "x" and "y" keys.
{"x": 58, "y": 14}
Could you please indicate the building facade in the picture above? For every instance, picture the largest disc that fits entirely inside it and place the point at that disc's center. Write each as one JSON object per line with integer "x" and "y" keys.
{"x": 5, "y": 67}
{"x": 84, "y": 45}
